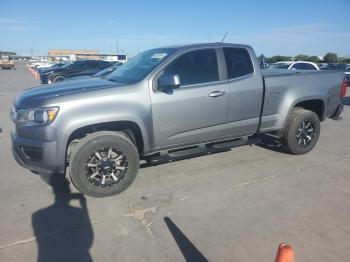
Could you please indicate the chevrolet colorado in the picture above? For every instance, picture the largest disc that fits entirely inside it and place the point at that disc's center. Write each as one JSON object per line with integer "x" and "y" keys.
{"x": 166, "y": 104}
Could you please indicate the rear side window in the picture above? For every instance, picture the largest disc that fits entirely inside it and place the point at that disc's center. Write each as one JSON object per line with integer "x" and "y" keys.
{"x": 195, "y": 67}
{"x": 298, "y": 66}
{"x": 238, "y": 62}
{"x": 304, "y": 66}
{"x": 309, "y": 67}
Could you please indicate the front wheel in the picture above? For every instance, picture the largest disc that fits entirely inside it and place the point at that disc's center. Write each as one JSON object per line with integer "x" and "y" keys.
{"x": 59, "y": 79}
{"x": 301, "y": 132}
{"x": 104, "y": 164}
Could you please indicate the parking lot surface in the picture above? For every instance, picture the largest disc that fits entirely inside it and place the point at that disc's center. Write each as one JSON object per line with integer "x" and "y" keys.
{"x": 232, "y": 206}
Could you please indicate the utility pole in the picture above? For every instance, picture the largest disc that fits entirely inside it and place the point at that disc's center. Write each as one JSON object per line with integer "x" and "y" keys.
{"x": 116, "y": 42}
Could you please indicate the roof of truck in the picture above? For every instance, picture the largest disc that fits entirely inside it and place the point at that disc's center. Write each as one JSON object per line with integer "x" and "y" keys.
{"x": 214, "y": 44}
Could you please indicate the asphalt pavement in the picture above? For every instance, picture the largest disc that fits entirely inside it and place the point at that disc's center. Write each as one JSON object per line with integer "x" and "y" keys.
{"x": 232, "y": 206}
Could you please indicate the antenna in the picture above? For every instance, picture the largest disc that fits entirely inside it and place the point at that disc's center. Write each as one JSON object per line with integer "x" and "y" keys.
{"x": 224, "y": 37}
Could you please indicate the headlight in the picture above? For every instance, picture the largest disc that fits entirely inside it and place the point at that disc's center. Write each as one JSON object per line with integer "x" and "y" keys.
{"x": 34, "y": 116}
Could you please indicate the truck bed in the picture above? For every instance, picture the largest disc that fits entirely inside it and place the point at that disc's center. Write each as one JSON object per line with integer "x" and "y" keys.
{"x": 283, "y": 89}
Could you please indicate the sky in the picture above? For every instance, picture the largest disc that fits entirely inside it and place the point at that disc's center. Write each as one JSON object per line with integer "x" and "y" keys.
{"x": 270, "y": 27}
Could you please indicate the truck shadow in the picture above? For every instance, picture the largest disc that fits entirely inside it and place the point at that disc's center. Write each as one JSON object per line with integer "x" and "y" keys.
{"x": 63, "y": 232}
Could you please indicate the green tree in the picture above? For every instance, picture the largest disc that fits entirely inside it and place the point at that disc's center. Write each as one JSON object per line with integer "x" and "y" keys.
{"x": 313, "y": 59}
{"x": 278, "y": 58}
{"x": 330, "y": 58}
{"x": 301, "y": 58}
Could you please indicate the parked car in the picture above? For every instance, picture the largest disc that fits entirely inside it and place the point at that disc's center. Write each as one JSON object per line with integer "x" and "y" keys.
{"x": 335, "y": 66}
{"x": 46, "y": 69}
{"x": 101, "y": 73}
{"x": 295, "y": 65}
{"x": 73, "y": 69}
{"x": 44, "y": 65}
{"x": 6, "y": 62}
{"x": 164, "y": 105}
{"x": 347, "y": 74}
{"x": 39, "y": 64}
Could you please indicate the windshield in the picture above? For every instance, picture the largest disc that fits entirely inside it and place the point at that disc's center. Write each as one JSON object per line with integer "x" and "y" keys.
{"x": 280, "y": 66}
{"x": 138, "y": 67}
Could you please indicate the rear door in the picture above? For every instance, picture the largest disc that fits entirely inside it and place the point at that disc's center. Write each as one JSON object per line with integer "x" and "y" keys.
{"x": 245, "y": 91}
{"x": 197, "y": 110}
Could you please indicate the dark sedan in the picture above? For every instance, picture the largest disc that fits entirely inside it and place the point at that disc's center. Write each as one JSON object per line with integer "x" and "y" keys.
{"x": 73, "y": 69}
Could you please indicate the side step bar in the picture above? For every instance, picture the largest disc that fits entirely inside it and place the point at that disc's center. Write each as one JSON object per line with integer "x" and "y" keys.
{"x": 200, "y": 150}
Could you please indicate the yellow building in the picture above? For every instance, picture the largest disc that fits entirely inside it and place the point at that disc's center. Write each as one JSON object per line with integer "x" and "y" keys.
{"x": 80, "y": 54}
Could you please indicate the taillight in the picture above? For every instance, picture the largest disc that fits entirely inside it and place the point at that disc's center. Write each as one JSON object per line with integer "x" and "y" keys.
{"x": 343, "y": 88}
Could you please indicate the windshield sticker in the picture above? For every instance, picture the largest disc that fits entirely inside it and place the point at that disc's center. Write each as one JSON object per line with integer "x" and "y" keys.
{"x": 159, "y": 55}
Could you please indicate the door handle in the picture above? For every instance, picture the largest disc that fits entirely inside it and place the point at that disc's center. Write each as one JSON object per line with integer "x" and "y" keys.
{"x": 216, "y": 94}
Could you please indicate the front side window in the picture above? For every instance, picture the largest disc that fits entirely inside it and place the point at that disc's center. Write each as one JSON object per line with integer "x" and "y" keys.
{"x": 78, "y": 65}
{"x": 238, "y": 62}
{"x": 92, "y": 64}
{"x": 195, "y": 67}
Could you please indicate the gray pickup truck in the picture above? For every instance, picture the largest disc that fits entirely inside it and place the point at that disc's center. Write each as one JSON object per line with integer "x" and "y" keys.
{"x": 166, "y": 104}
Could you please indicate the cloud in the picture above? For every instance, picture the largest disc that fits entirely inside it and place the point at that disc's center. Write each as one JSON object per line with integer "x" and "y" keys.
{"x": 14, "y": 25}
{"x": 115, "y": 22}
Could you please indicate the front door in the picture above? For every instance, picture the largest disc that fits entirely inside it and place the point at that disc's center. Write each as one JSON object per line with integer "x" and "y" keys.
{"x": 194, "y": 112}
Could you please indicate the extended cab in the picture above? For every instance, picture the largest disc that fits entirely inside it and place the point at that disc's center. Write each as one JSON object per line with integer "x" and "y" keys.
{"x": 166, "y": 104}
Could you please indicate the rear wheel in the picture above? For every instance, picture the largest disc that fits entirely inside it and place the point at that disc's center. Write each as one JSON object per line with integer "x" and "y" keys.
{"x": 301, "y": 132}
{"x": 104, "y": 164}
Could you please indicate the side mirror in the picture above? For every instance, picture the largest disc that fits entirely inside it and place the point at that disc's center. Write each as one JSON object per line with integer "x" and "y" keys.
{"x": 168, "y": 81}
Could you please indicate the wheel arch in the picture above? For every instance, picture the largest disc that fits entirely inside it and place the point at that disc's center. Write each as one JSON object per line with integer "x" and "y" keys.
{"x": 131, "y": 129}
{"x": 315, "y": 105}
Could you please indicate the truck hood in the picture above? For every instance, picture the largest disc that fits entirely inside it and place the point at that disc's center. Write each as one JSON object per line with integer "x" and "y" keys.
{"x": 35, "y": 96}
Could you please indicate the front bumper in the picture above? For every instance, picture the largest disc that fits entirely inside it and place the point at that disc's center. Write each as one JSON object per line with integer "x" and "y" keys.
{"x": 40, "y": 156}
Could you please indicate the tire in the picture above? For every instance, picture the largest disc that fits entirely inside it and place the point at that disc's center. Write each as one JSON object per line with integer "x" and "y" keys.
{"x": 122, "y": 162}
{"x": 301, "y": 132}
{"x": 59, "y": 79}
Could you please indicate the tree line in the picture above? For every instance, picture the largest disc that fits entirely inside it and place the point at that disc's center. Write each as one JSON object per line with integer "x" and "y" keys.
{"x": 6, "y": 53}
{"x": 328, "y": 58}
